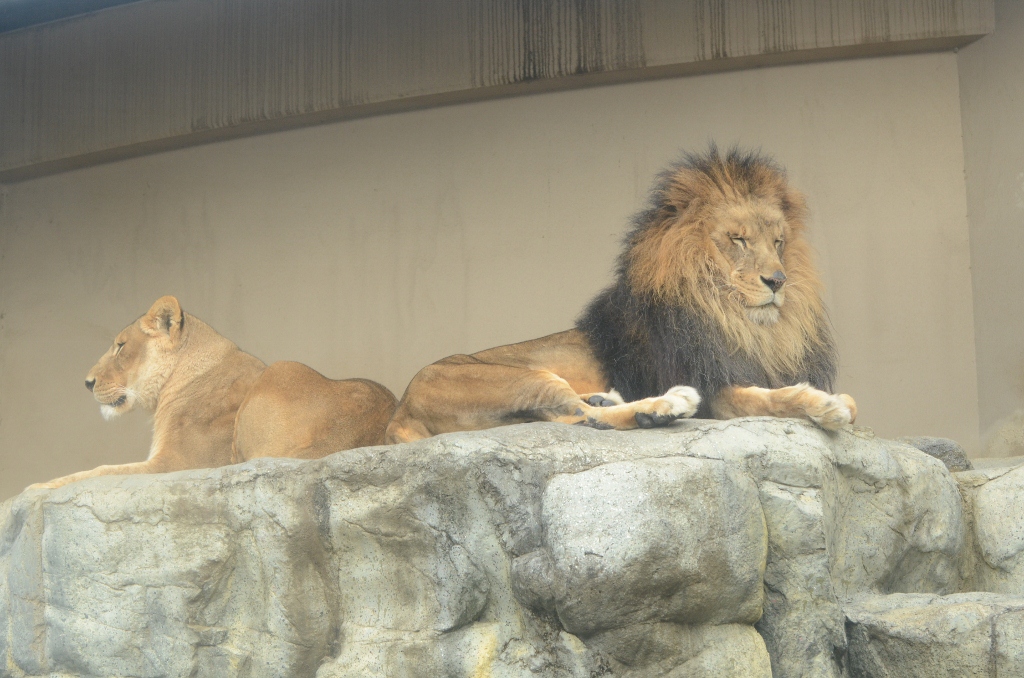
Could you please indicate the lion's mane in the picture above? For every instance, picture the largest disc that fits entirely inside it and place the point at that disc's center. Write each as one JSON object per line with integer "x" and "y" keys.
{"x": 671, "y": 316}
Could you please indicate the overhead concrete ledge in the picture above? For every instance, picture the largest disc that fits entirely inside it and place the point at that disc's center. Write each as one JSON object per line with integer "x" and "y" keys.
{"x": 160, "y": 74}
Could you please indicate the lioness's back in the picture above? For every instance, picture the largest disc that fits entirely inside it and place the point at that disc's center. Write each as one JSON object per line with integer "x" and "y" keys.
{"x": 294, "y": 411}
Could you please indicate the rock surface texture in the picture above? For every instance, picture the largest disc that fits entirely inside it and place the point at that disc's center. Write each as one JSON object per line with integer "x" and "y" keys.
{"x": 949, "y": 452}
{"x": 748, "y": 548}
{"x": 921, "y": 636}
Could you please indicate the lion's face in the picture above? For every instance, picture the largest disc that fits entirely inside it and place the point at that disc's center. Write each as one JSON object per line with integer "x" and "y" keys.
{"x": 134, "y": 369}
{"x": 751, "y": 237}
{"x": 724, "y": 239}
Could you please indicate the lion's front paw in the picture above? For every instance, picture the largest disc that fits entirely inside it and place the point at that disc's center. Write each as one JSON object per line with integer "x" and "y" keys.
{"x": 831, "y": 412}
{"x": 679, "y": 401}
{"x": 685, "y": 400}
{"x": 851, "y": 404}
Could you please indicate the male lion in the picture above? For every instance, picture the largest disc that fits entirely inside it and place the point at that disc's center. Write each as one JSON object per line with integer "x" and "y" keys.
{"x": 715, "y": 289}
{"x": 213, "y": 404}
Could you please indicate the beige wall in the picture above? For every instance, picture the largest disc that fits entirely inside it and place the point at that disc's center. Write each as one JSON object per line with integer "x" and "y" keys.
{"x": 992, "y": 102}
{"x": 372, "y": 247}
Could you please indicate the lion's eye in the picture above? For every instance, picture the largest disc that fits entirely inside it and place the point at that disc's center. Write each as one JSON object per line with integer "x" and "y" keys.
{"x": 742, "y": 242}
{"x": 120, "y": 345}
{"x": 779, "y": 243}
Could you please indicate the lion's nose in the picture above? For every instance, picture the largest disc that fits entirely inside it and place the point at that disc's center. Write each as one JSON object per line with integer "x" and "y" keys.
{"x": 775, "y": 282}
{"x": 89, "y": 383}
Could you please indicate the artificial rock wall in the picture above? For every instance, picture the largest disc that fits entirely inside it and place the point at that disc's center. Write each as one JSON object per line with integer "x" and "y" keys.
{"x": 746, "y": 548}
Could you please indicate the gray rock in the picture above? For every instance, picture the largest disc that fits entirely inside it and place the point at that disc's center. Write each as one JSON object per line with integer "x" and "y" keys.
{"x": 922, "y": 636}
{"x": 847, "y": 515}
{"x": 522, "y": 551}
{"x": 677, "y": 539}
{"x": 983, "y": 463}
{"x": 998, "y": 507}
{"x": 665, "y": 649}
{"x": 897, "y": 520}
{"x": 949, "y": 452}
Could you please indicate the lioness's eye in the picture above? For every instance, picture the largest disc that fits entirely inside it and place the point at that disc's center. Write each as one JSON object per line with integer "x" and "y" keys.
{"x": 120, "y": 345}
{"x": 742, "y": 242}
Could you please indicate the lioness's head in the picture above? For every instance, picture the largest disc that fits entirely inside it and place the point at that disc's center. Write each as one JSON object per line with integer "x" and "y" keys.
{"x": 134, "y": 369}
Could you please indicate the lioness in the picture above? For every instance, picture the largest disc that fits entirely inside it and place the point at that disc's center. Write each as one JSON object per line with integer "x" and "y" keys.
{"x": 716, "y": 305}
{"x": 213, "y": 404}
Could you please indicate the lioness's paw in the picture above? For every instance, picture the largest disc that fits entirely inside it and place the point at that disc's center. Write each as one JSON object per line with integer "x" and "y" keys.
{"x": 831, "y": 412}
{"x": 679, "y": 401}
{"x": 53, "y": 484}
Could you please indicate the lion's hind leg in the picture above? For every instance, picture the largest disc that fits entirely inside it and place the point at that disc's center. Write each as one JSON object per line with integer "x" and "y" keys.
{"x": 678, "y": 402}
{"x": 465, "y": 393}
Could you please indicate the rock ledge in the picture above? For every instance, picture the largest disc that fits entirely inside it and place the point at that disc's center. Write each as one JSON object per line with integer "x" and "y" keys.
{"x": 752, "y": 547}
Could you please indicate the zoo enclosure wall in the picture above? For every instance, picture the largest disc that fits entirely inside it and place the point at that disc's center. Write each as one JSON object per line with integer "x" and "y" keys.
{"x": 439, "y": 178}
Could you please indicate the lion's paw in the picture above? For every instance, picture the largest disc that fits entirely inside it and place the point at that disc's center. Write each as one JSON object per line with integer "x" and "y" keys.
{"x": 832, "y": 412}
{"x": 679, "y": 401}
{"x": 609, "y": 399}
{"x": 684, "y": 400}
{"x": 590, "y": 422}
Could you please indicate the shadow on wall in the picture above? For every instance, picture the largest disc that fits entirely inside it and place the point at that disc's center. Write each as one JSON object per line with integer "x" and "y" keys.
{"x": 1006, "y": 437}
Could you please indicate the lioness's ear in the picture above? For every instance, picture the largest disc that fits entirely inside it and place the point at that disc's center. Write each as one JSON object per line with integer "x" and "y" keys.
{"x": 164, "y": 317}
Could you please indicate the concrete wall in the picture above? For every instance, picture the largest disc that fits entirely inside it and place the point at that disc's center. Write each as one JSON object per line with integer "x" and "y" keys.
{"x": 157, "y": 75}
{"x": 372, "y": 247}
{"x": 992, "y": 106}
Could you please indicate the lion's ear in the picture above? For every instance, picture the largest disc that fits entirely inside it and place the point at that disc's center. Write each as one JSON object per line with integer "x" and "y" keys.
{"x": 681, "y": 191}
{"x": 164, "y": 317}
{"x": 677, "y": 207}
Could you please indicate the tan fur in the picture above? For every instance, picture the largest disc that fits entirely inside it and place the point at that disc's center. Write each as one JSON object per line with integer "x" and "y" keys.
{"x": 214, "y": 404}
{"x": 294, "y": 411}
{"x": 826, "y": 410}
{"x": 538, "y": 380}
{"x": 715, "y": 243}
